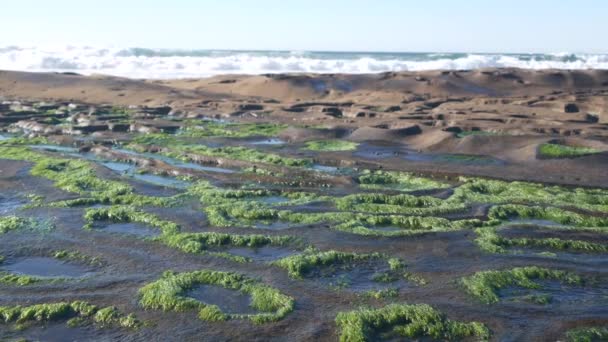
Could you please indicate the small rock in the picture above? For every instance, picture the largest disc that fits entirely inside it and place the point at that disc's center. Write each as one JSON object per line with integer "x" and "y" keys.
{"x": 571, "y": 108}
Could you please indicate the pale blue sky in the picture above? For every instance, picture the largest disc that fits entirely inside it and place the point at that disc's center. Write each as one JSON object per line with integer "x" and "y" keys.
{"x": 352, "y": 25}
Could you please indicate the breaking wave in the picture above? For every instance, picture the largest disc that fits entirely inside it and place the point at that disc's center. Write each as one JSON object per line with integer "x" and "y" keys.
{"x": 171, "y": 63}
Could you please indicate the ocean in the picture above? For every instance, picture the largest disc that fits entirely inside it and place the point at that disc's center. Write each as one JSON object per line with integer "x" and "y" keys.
{"x": 172, "y": 63}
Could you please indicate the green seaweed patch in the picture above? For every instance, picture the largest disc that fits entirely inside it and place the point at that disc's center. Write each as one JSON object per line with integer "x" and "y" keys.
{"x": 550, "y": 150}
{"x": 408, "y": 321}
{"x": 489, "y": 240}
{"x": 480, "y": 190}
{"x": 176, "y": 149}
{"x": 373, "y": 225}
{"x": 587, "y": 334}
{"x": 397, "y": 204}
{"x": 69, "y": 255}
{"x": 484, "y": 285}
{"x": 129, "y": 214}
{"x": 15, "y": 223}
{"x": 22, "y": 141}
{"x": 558, "y": 215}
{"x": 168, "y": 294}
{"x": 297, "y": 266}
{"x": 230, "y": 130}
{"x": 203, "y": 243}
{"x": 75, "y": 313}
{"x": 395, "y": 180}
{"x": 331, "y": 145}
{"x": 79, "y": 176}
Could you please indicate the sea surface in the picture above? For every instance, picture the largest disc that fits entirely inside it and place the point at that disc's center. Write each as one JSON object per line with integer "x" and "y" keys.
{"x": 171, "y": 63}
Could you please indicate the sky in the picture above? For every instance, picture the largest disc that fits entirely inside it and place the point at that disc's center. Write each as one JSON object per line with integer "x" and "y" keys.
{"x": 314, "y": 25}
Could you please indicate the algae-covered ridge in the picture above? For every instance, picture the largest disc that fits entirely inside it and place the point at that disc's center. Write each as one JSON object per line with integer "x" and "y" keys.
{"x": 75, "y": 313}
{"x": 182, "y": 150}
{"x": 406, "y": 321}
{"x": 79, "y": 176}
{"x": 297, "y": 266}
{"x": 16, "y": 223}
{"x": 489, "y": 238}
{"x": 588, "y": 334}
{"x": 402, "y": 181}
{"x": 204, "y": 243}
{"x": 168, "y": 294}
{"x": 553, "y": 150}
{"x": 331, "y": 145}
{"x": 484, "y": 285}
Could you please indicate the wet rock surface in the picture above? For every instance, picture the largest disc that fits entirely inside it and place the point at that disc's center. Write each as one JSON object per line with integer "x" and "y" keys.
{"x": 256, "y": 148}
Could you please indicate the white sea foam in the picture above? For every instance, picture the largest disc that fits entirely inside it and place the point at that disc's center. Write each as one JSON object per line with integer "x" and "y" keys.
{"x": 164, "y": 63}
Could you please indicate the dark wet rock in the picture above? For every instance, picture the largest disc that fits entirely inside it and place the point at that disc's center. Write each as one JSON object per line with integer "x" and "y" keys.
{"x": 119, "y": 127}
{"x": 453, "y": 129}
{"x": 91, "y": 127}
{"x": 157, "y": 111}
{"x": 332, "y": 111}
{"x": 392, "y": 109}
{"x": 571, "y": 108}
{"x": 251, "y": 106}
{"x": 592, "y": 118}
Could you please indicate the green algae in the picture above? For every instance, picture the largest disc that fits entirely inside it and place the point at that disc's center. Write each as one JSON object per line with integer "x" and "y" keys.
{"x": 201, "y": 243}
{"x": 394, "y": 180}
{"x": 484, "y": 285}
{"x": 331, "y": 145}
{"x": 129, "y": 214}
{"x": 167, "y": 294}
{"x": 550, "y": 150}
{"x": 73, "y": 312}
{"x": 406, "y": 320}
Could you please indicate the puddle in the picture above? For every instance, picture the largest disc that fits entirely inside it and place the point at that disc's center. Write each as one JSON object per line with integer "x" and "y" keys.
{"x": 131, "y": 229}
{"x": 385, "y": 228}
{"x": 9, "y": 205}
{"x": 534, "y": 222}
{"x": 229, "y": 301}
{"x": 60, "y": 332}
{"x": 378, "y": 151}
{"x": 161, "y": 180}
{"x": 514, "y": 232}
{"x": 558, "y": 293}
{"x": 270, "y": 141}
{"x": 199, "y": 167}
{"x": 271, "y": 199}
{"x": 277, "y": 225}
{"x": 177, "y": 163}
{"x": 356, "y": 277}
{"x": 324, "y": 168}
{"x": 4, "y": 137}
{"x": 46, "y": 267}
{"x": 119, "y": 167}
{"x": 130, "y": 170}
{"x": 266, "y": 253}
{"x": 54, "y": 148}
